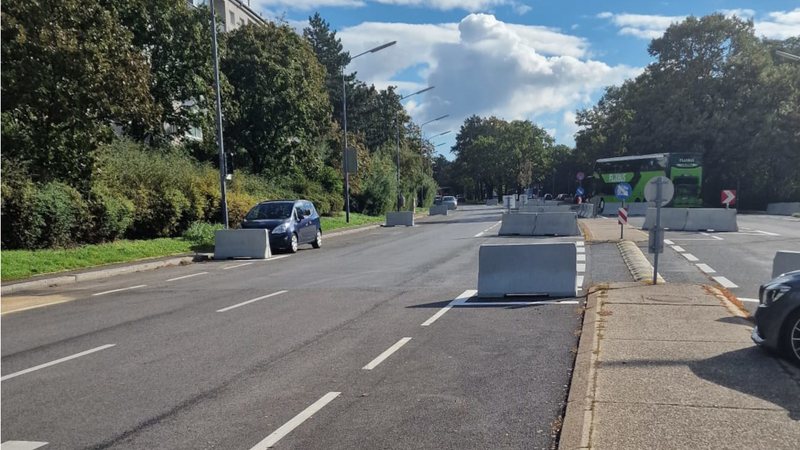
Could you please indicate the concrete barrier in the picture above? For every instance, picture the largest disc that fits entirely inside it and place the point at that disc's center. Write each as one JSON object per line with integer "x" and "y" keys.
{"x": 250, "y": 243}
{"x": 783, "y": 209}
{"x": 672, "y": 218}
{"x": 438, "y": 210}
{"x": 638, "y": 208}
{"x": 521, "y": 224}
{"x": 785, "y": 261}
{"x": 556, "y": 223}
{"x": 395, "y": 218}
{"x": 538, "y": 209}
{"x": 585, "y": 210}
{"x": 527, "y": 269}
{"x": 611, "y": 208}
{"x": 717, "y": 219}
{"x": 491, "y": 202}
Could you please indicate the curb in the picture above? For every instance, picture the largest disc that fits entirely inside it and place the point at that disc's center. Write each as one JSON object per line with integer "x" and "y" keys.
{"x": 576, "y": 428}
{"x": 98, "y": 274}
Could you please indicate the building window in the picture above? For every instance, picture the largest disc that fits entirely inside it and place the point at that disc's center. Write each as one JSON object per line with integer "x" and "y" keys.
{"x": 233, "y": 19}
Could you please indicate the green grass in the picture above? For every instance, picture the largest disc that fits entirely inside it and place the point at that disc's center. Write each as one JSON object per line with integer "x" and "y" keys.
{"x": 356, "y": 220}
{"x": 18, "y": 264}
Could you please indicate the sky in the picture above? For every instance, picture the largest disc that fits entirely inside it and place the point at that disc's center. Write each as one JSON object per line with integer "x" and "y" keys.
{"x": 540, "y": 60}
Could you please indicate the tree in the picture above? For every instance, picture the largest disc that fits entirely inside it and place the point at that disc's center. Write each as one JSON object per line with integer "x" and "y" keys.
{"x": 330, "y": 54}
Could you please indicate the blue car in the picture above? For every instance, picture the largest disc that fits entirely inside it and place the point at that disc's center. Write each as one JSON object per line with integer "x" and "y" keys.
{"x": 290, "y": 223}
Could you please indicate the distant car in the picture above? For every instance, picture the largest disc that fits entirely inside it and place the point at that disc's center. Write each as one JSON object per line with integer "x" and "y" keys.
{"x": 437, "y": 200}
{"x": 778, "y": 315}
{"x": 290, "y": 223}
{"x": 450, "y": 201}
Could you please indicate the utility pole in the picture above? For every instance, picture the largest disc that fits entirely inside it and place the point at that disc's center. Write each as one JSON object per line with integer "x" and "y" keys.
{"x": 222, "y": 171}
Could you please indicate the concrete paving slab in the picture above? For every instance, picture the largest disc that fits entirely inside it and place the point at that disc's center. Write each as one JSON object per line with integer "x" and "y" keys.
{"x": 672, "y": 323}
{"x": 623, "y": 426}
{"x": 636, "y": 293}
{"x": 712, "y": 374}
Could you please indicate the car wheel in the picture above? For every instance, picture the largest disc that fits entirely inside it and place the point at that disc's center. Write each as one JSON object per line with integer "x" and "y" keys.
{"x": 318, "y": 241}
{"x": 791, "y": 337}
{"x": 293, "y": 247}
{"x": 601, "y": 206}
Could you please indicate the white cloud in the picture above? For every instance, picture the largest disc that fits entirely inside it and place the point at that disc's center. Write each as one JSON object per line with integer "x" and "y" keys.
{"x": 442, "y": 5}
{"x": 486, "y": 67}
{"x": 642, "y": 26}
{"x": 303, "y": 5}
{"x": 741, "y": 13}
{"x": 780, "y": 25}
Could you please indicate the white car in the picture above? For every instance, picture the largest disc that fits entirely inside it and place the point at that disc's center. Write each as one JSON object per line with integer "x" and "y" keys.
{"x": 450, "y": 201}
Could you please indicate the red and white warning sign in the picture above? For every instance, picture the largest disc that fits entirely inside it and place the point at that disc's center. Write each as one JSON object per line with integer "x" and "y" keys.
{"x": 728, "y": 197}
{"x": 622, "y": 216}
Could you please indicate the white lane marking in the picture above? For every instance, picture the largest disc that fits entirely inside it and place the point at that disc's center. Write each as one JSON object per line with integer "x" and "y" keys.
{"x": 678, "y": 248}
{"x": 581, "y": 249}
{"x": 690, "y": 257}
{"x": 58, "y": 361}
{"x": 487, "y": 230}
{"x": 21, "y": 445}
{"x": 36, "y": 306}
{"x": 726, "y": 283}
{"x": 272, "y": 258}
{"x": 704, "y": 233}
{"x": 749, "y": 300}
{"x": 236, "y": 265}
{"x": 579, "y": 281}
{"x": 579, "y": 243}
{"x": 287, "y": 428}
{"x": 119, "y": 290}
{"x": 705, "y": 268}
{"x": 767, "y": 233}
{"x": 668, "y": 242}
{"x": 718, "y": 238}
{"x": 374, "y": 363}
{"x": 464, "y": 295}
{"x": 251, "y": 301}
{"x": 479, "y": 234}
{"x": 187, "y": 276}
{"x": 580, "y": 267}
{"x": 581, "y": 257}
{"x": 462, "y": 299}
{"x": 543, "y": 302}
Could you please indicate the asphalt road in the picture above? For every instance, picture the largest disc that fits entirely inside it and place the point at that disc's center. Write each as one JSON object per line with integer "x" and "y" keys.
{"x": 739, "y": 261}
{"x": 344, "y": 347}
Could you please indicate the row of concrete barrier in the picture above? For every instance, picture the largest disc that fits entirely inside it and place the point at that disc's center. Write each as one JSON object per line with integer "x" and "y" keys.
{"x": 527, "y": 269}
{"x": 783, "y": 209}
{"x": 634, "y": 209}
{"x": 539, "y": 224}
{"x": 438, "y": 210}
{"x": 693, "y": 219}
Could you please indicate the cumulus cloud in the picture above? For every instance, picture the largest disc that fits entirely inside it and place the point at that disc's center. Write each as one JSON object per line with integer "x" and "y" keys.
{"x": 442, "y": 5}
{"x": 642, "y": 26}
{"x": 484, "y": 66}
{"x": 780, "y": 24}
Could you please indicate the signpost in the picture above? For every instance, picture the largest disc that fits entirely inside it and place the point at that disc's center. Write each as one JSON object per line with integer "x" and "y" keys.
{"x": 728, "y": 197}
{"x": 659, "y": 190}
{"x": 579, "y": 192}
{"x": 622, "y": 191}
{"x": 580, "y": 176}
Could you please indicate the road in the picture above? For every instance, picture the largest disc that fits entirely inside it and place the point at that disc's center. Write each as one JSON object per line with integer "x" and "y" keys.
{"x": 350, "y": 346}
{"x": 739, "y": 261}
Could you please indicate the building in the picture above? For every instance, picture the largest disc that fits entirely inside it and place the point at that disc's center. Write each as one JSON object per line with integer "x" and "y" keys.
{"x": 234, "y": 13}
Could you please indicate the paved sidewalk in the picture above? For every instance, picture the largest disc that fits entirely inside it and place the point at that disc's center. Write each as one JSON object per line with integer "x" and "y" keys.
{"x": 607, "y": 230}
{"x": 670, "y": 367}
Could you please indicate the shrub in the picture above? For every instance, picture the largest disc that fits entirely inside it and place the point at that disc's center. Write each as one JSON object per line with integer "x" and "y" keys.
{"x": 21, "y": 225}
{"x": 239, "y": 204}
{"x": 64, "y": 214}
{"x": 202, "y": 233}
{"x": 379, "y": 188}
{"x": 112, "y": 215}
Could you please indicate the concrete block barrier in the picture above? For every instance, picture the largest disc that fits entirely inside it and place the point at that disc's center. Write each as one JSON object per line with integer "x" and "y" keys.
{"x": 395, "y": 218}
{"x": 521, "y": 224}
{"x": 491, "y": 202}
{"x": 672, "y": 218}
{"x": 556, "y": 223}
{"x": 717, "y": 219}
{"x": 538, "y": 209}
{"x": 438, "y": 210}
{"x": 783, "y": 209}
{"x": 527, "y": 269}
{"x": 611, "y": 208}
{"x": 785, "y": 261}
{"x": 251, "y": 243}
{"x": 639, "y": 208}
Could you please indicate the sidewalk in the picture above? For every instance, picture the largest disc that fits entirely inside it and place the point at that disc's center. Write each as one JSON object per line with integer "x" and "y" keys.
{"x": 672, "y": 366}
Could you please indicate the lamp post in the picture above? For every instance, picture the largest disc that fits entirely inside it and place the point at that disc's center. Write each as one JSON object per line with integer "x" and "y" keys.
{"x": 344, "y": 123}
{"x": 397, "y": 126}
{"x": 223, "y": 197}
{"x": 422, "y": 136}
{"x": 787, "y": 55}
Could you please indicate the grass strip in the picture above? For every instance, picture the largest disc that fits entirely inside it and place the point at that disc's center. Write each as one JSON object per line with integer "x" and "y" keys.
{"x": 356, "y": 220}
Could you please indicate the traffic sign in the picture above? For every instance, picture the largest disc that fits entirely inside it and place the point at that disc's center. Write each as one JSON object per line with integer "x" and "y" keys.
{"x": 580, "y": 176}
{"x": 728, "y": 197}
{"x": 622, "y": 191}
{"x": 622, "y": 216}
{"x": 667, "y": 190}
{"x": 579, "y": 192}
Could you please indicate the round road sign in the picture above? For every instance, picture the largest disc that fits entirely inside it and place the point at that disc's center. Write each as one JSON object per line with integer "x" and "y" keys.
{"x": 580, "y": 176}
{"x": 667, "y": 190}
{"x": 622, "y": 191}
{"x": 579, "y": 192}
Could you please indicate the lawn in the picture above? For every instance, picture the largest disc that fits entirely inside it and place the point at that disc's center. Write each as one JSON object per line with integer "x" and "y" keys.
{"x": 20, "y": 264}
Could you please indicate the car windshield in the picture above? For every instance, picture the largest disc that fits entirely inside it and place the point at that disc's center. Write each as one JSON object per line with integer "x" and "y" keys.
{"x": 449, "y": 199}
{"x": 267, "y": 211}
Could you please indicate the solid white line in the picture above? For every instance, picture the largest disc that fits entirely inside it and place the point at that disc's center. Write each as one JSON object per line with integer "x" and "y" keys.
{"x": 580, "y": 267}
{"x": 749, "y": 300}
{"x": 187, "y": 276}
{"x": 718, "y": 238}
{"x": 543, "y": 302}
{"x": 690, "y": 257}
{"x": 725, "y": 282}
{"x": 36, "y": 306}
{"x": 272, "y": 258}
{"x": 21, "y": 445}
{"x": 374, "y": 363}
{"x": 705, "y": 268}
{"x": 678, "y": 248}
{"x": 479, "y": 234}
{"x": 581, "y": 257}
{"x": 287, "y": 428}
{"x": 120, "y": 290}
{"x": 236, "y": 265}
{"x": 251, "y": 301}
{"x": 668, "y": 242}
{"x": 58, "y": 361}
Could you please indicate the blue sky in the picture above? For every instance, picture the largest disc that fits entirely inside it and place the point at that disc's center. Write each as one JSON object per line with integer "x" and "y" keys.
{"x": 517, "y": 59}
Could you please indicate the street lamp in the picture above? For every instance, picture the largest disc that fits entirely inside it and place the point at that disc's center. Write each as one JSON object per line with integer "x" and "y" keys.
{"x": 787, "y": 55}
{"x": 397, "y": 126}
{"x": 344, "y": 123}
{"x": 422, "y": 136}
{"x": 222, "y": 174}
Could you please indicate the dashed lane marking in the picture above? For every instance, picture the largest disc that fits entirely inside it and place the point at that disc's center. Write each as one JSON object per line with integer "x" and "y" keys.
{"x": 251, "y": 301}
{"x": 726, "y": 283}
{"x": 296, "y": 421}
{"x": 668, "y": 242}
{"x": 748, "y": 300}
{"x": 236, "y": 265}
{"x": 705, "y": 268}
{"x": 690, "y": 257}
{"x": 581, "y": 257}
{"x": 678, "y": 248}
{"x": 464, "y": 295}
{"x": 487, "y": 230}
{"x": 187, "y": 276}
{"x": 53, "y": 363}
{"x": 21, "y": 445}
{"x": 580, "y": 267}
{"x": 387, "y": 353}
{"x": 119, "y": 290}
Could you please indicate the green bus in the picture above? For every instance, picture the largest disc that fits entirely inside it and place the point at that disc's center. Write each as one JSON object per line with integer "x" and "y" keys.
{"x": 684, "y": 169}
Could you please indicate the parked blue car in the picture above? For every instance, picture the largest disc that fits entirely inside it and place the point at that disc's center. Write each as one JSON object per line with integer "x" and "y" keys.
{"x": 290, "y": 223}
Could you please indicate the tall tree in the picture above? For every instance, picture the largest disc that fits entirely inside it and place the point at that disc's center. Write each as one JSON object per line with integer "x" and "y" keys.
{"x": 331, "y": 55}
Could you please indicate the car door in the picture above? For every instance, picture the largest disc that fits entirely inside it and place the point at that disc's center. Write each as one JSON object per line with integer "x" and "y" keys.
{"x": 310, "y": 227}
{"x": 304, "y": 227}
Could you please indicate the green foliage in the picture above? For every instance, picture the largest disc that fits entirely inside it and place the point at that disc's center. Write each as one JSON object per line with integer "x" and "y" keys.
{"x": 202, "y": 233}
{"x": 112, "y": 215}
{"x": 379, "y": 187}
{"x": 62, "y": 214}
